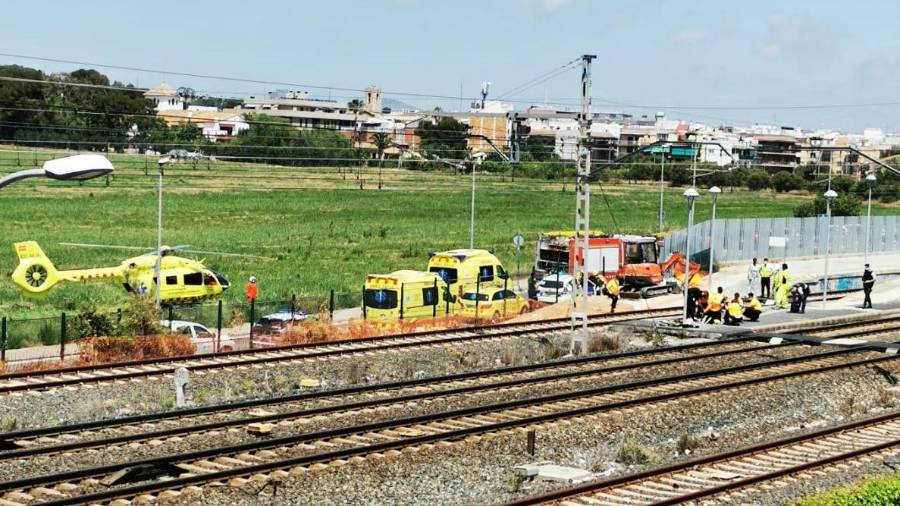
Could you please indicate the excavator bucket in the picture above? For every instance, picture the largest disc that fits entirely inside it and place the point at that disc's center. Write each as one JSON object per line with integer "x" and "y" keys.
{"x": 35, "y": 273}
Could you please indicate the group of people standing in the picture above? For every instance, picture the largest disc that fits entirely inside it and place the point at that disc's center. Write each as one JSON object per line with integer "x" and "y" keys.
{"x": 770, "y": 279}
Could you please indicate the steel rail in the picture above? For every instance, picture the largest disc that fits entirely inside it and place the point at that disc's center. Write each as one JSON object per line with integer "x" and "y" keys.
{"x": 49, "y": 480}
{"x": 215, "y": 361}
{"x": 308, "y": 412}
{"x": 635, "y": 478}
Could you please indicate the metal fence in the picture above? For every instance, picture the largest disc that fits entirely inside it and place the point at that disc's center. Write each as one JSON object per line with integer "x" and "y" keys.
{"x": 56, "y": 336}
{"x": 743, "y": 239}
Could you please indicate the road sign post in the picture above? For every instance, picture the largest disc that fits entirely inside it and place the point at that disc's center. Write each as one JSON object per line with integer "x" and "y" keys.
{"x": 518, "y": 242}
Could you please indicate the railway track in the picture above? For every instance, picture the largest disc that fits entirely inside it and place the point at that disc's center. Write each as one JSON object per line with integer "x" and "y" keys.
{"x": 732, "y": 473}
{"x": 71, "y": 376}
{"x": 276, "y": 458}
{"x": 292, "y": 411}
{"x": 869, "y": 327}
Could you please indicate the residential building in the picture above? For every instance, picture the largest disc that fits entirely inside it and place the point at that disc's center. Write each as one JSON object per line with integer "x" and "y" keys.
{"x": 777, "y": 152}
{"x": 164, "y": 98}
{"x": 214, "y": 125}
{"x": 305, "y": 112}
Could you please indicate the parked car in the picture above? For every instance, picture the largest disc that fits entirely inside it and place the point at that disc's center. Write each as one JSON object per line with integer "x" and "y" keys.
{"x": 278, "y": 322}
{"x": 204, "y": 339}
{"x": 494, "y": 304}
{"x": 552, "y": 289}
{"x": 177, "y": 153}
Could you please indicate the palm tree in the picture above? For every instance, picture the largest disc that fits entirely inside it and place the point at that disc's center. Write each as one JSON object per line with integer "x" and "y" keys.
{"x": 382, "y": 142}
{"x": 356, "y": 105}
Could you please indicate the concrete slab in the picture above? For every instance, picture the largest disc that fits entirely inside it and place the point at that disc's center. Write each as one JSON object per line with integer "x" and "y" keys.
{"x": 572, "y": 475}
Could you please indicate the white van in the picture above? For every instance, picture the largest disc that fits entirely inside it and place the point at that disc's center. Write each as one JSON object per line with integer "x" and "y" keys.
{"x": 204, "y": 339}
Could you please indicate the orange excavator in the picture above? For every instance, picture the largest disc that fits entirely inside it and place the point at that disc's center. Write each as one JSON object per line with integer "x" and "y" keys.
{"x": 634, "y": 260}
{"x": 652, "y": 279}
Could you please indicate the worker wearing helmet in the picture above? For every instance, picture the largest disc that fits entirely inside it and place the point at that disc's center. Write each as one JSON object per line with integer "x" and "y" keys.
{"x": 252, "y": 290}
{"x": 612, "y": 291}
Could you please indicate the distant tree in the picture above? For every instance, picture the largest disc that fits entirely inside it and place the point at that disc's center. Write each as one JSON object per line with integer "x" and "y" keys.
{"x": 785, "y": 181}
{"x": 355, "y": 105}
{"x": 757, "y": 180}
{"x": 846, "y": 204}
{"x": 538, "y": 151}
{"x": 272, "y": 140}
{"x": 382, "y": 142}
{"x": 446, "y": 138}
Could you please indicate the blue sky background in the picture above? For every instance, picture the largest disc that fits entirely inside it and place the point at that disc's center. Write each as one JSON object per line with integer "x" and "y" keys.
{"x": 750, "y": 61}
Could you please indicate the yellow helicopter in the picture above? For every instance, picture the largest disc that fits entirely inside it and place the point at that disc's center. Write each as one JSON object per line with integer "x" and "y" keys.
{"x": 184, "y": 280}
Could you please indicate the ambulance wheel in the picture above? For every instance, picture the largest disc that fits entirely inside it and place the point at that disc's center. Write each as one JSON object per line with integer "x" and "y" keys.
{"x": 495, "y": 318}
{"x": 523, "y": 310}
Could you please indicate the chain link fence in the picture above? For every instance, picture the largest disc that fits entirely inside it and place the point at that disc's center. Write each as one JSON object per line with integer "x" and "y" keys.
{"x": 213, "y": 326}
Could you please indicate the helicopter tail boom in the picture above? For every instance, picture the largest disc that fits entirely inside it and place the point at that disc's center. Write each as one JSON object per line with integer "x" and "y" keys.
{"x": 36, "y": 274}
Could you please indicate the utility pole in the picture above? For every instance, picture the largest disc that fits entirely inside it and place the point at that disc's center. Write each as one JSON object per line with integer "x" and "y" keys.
{"x": 514, "y": 137}
{"x": 580, "y": 310}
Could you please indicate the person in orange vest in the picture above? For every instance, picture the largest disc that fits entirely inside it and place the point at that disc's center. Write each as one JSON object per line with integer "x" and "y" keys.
{"x": 715, "y": 305}
{"x": 252, "y": 290}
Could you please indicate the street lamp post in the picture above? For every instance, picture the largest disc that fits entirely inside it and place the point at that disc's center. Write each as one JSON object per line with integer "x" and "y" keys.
{"x": 870, "y": 182}
{"x": 714, "y": 191}
{"x": 662, "y": 189}
{"x": 159, "y": 210}
{"x": 69, "y": 168}
{"x": 691, "y": 195}
{"x": 472, "y": 213}
{"x": 829, "y": 196}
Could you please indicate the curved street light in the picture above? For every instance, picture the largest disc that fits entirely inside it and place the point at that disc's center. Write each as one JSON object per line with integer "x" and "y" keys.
{"x": 69, "y": 168}
{"x": 691, "y": 195}
{"x": 714, "y": 191}
{"x": 829, "y": 196}
{"x": 870, "y": 182}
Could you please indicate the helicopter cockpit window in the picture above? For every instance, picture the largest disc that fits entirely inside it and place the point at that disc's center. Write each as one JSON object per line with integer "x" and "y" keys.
{"x": 171, "y": 280}
{"x": 193, "y": 279}
{"x": 209, "y": 280}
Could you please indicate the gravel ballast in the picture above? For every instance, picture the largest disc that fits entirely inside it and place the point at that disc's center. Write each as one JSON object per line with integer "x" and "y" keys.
{"x": 482, "y": 472}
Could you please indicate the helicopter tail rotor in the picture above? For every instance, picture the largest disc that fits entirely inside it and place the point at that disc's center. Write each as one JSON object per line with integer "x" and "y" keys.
{"x": 35, "y": 273}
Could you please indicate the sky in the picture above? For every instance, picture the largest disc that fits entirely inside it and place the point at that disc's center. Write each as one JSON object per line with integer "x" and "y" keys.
{"x": 809, "y": 64}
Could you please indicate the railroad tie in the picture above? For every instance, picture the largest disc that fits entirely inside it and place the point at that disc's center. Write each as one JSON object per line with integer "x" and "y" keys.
{"x": 232, "y": 462}
{"x": 191, "y": 468}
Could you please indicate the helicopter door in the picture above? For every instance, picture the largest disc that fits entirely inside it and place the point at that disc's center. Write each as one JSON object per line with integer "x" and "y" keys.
{"x": 193, "y": 284}
{"x": 171, "y": 287}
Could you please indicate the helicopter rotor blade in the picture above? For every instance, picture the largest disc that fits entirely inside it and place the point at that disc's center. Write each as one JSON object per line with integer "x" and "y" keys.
{"x": 181, "y": 248}
{"x": 106, "y": 246}
{"x": 224, "y": 254}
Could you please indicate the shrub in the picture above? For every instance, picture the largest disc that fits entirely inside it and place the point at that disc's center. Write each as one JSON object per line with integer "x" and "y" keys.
{"x": 632, "y": 453}
{"x": 687, "y": 444}
{"x": 603, "y": 343}
{"x": 90, "y": 322}
{"x": 141, "y": 318}
{"x": 757, "y": 180}
{"x": 786, "y": 182}
{"x": 118, "y": 349}
{"x": 48, "y": 334}
{"x": 880, "y": 491}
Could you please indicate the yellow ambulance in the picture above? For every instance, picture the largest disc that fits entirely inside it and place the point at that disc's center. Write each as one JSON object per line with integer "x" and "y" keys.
{"x": 405, "y": 295}
{"x": 462, "y": 268}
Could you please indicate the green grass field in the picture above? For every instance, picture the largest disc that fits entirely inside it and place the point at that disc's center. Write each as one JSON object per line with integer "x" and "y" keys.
{"x": 321, "y": 231}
